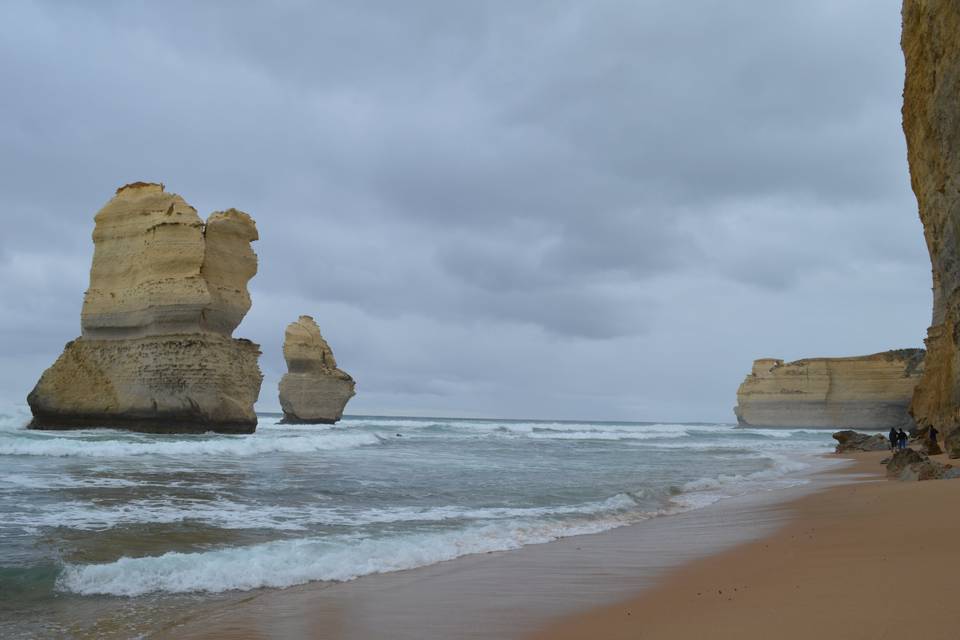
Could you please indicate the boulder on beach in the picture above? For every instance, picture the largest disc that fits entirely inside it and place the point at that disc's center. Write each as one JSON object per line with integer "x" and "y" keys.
{"x": 156, "y": 351}
{"x": 931, "y": 124}
{"x": 910, "y": 464}
{"x": 862, "y": 392}
{"x": 952, "y": 444}
{"x": 849, "y": 441}
{"x": 314, "y": 390}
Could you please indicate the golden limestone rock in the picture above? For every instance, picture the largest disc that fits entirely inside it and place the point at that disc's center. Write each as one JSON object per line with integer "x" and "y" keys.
{"x": 156, "y": 352}
{"x": 931, "y": 123}
{"x": 313, "y": 390}
{"x": 864, "y": 392}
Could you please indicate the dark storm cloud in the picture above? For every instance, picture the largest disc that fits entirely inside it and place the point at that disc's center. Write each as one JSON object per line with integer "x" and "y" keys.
{"x": 598, "y": 209}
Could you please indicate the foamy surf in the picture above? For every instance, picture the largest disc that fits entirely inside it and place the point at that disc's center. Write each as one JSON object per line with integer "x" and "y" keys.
{"x": 228, "y": 514}
{"x": 299, "y": 503}
{"x": 235, "y": 446}
{"x": 340, "y": 558}
{"x": 291, "y": 562}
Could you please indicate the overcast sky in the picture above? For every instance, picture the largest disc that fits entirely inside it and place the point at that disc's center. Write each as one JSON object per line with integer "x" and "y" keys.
{"x": 583, "y": 210}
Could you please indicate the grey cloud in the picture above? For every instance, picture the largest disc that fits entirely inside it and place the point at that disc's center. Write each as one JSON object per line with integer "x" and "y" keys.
{"x": 541, "y": 208}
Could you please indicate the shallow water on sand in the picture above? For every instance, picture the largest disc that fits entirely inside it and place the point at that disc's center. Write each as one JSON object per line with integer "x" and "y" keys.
{"x": 102, "y": 527}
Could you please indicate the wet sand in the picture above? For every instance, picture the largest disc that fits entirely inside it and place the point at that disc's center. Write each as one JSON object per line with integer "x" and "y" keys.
{"x": 500, "y": 595}
{"x": 863, "y": 561}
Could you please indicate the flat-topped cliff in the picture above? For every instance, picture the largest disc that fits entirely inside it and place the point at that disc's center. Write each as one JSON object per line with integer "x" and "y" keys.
{"x": 314, "y": 389}
{"x": 863, "y": 392}
{"x": 156, "y": 353}
{"x": 931, "y": 124}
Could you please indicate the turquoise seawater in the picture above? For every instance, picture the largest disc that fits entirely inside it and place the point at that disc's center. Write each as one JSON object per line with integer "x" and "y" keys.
{"x": 103, "y": 516}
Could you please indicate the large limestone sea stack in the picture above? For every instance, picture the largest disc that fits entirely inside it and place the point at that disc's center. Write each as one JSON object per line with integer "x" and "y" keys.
{"x": 156, "y": 352}
{"x": 931, "y": 123}
{"x": 314, "y": 390}
{"x": 862, "y": 392}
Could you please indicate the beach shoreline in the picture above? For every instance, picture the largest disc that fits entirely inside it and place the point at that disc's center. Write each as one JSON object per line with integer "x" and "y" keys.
{"x": 507, "y": 594}
{"x": 857, "y": 560}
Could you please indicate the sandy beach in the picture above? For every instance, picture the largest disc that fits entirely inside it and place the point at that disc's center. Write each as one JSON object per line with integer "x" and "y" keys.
{"x": 513, "y": 594}
{"x": 844, "y": 553}
{"x": 861, "y": 558}
{"x": 865, "y": 560}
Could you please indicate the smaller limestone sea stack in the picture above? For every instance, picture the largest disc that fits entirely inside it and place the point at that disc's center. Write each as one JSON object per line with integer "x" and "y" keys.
{"x": 156, "y": 352}
{"x": 314, "y": 390}
{"x": 862, "y": 392}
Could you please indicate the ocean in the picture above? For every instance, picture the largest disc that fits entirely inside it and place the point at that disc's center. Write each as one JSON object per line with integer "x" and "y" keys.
{"x": 102, "y": 525}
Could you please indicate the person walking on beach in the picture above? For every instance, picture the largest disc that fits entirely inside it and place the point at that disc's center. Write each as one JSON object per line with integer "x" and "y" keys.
{"x": 932, "y": 436}
{"x": 893, "y": 438}
{"x": 901, "y": 439}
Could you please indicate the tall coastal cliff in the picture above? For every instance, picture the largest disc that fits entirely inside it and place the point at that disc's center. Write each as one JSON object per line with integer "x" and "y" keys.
{"x": 931, "y": 123}
{"x": 314, "y": 390}
{"x": 156, "y": 352}
{"x": 864, "y": 392}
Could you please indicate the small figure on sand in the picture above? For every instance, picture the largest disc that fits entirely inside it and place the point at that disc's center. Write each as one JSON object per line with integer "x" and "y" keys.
{"x": 894, "y": 438}
{"x": 901, "y": 439}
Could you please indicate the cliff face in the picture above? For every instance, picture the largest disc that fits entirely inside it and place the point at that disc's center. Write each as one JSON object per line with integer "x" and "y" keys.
{"x": 867, "y": 392}
{"x": 931, "y": 123}
{"x": 156, "y": 352}
{"x": 314, "y": 390}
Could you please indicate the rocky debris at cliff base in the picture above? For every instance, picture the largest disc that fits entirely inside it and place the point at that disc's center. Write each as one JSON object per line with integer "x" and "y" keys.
{"x": 314, "y": 390}
{"x": 848, "y": 441}
{"x": 909, "y": 464}
{"x": 952, "y": 444}
{"x": 931, "y": 448}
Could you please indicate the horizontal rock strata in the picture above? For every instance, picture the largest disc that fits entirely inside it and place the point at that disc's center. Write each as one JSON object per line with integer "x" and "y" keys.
{"x": 156, "y": 352}
{"x": 866, "y": 392}
{"x": 931, "y": 124}
{"x": 314, "y": 390}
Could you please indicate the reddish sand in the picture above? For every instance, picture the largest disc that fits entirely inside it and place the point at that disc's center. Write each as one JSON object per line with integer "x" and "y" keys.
{"x": 862, "y": 561}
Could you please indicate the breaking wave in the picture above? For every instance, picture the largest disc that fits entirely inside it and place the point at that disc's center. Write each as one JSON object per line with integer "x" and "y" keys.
{"x": 237, "y": 446}
{"x": 369, "y": 495}
{"x": 290, "y": 562}
{"x": 227, "y": 514}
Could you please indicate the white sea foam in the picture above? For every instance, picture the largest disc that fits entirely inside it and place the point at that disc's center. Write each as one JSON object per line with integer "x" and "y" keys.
{"x": 394, "y": 503}
{"x": 234, "y": 446}
{"x": 783, "y": 472}
{"x": 761, "y": 447}
{"x": 337, "y": 558}
{"x": 286, "y": 563}
{"x": 227, "y": 514}
{"x": 289, "y": 562}
{"x": 601, "y": 435}
{"x": 580, "y": 430}
{"x": 50, "y": 481}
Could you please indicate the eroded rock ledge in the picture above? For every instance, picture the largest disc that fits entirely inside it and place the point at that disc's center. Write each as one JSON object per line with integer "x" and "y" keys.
{"x": 156, "y": 352}
{"x": 314, "y": 390}
{"x": 863, "y": 392}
